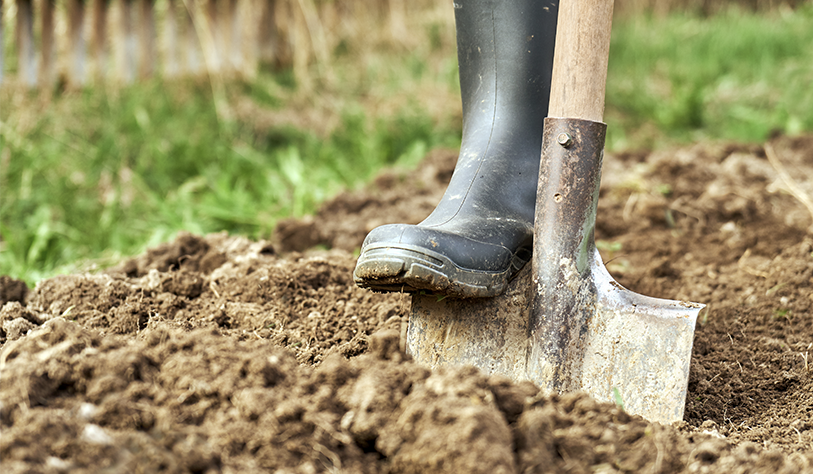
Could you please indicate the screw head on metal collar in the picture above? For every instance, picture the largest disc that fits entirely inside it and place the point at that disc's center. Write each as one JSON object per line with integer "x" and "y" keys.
{"x": 564, "y": 139}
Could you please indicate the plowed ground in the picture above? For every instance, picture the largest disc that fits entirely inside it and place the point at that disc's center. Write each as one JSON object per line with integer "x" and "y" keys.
{"x": 218, "y": 354}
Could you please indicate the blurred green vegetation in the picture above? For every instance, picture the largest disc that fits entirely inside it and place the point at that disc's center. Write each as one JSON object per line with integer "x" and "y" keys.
{"x": 98, "y": 175}
{"x": 87, "y": 177}
{"x": 736, "y": 75}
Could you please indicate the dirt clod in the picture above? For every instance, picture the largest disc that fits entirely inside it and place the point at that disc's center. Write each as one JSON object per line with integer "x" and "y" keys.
{"x": 12, "y": 290}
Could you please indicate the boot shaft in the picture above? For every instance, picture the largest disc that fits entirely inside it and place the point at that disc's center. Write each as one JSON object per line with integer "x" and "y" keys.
{"x": 505, "y": 57}
{"x": 481, "y": 232}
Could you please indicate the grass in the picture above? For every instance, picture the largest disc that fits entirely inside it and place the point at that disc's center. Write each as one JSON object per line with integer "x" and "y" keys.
{"x": 87, "y": 177}
{"x": 102, "y": 174}
{"x": 734, "y": 76}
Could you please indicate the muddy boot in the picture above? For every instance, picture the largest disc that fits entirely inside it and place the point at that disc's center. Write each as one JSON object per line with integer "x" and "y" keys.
{"x": 480, "y": 235}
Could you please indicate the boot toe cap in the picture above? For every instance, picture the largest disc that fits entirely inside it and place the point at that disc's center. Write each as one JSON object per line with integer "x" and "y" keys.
{"x": 410, "y": 258}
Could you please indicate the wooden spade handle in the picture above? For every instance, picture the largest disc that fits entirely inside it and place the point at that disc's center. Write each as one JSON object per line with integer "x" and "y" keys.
{"x": 580, "y": 59}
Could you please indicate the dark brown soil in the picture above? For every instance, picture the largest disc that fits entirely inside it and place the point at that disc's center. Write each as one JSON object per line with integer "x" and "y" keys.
{"x": 218, "y": 354}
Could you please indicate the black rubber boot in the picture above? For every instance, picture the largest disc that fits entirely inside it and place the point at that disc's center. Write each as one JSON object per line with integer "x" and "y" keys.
{"x": 481, "y": 233}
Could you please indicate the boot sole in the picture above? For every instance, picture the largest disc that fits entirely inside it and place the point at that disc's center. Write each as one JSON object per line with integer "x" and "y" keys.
{"x": 411, "y": 269}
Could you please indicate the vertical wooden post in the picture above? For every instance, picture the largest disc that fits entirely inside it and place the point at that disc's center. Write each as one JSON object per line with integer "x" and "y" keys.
{"x": 171, "y": 60}
{"x": 225, "y": 17}
{"x": 26, "y": 62}
{"x": 76, "y": 42}
{"x": 192, "y": 46}
{"x": 129, "y": 40}
{"x": 232, "y": 37}
{"x": 98, "y": 36}
{"x": 251, "y": 13}
{"x": 46, "y": 66}
{"x": 212, "y": 52}
{"x": 286, "y": 33}
{"x": 267, "y": 31}
{"x": 146, "y": 35}
{"x": 2, "y": 43}
{"x": 302, "y": 48}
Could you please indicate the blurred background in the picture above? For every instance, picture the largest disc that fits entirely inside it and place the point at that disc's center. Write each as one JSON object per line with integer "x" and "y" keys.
{"x": 123, "y": 122}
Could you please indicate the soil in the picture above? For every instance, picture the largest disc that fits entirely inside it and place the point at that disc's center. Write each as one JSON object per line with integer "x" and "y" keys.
{"x": 218, "y": 354}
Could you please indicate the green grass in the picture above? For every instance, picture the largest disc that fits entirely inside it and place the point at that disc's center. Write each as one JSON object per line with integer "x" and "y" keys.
{"x": 92, "y": 176}
{"x": 733, "y": 76}
{"x": 99, "y": 175}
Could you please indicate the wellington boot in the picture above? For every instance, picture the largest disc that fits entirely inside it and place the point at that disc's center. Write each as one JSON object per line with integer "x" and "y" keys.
{"x": 481, "y": 233}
